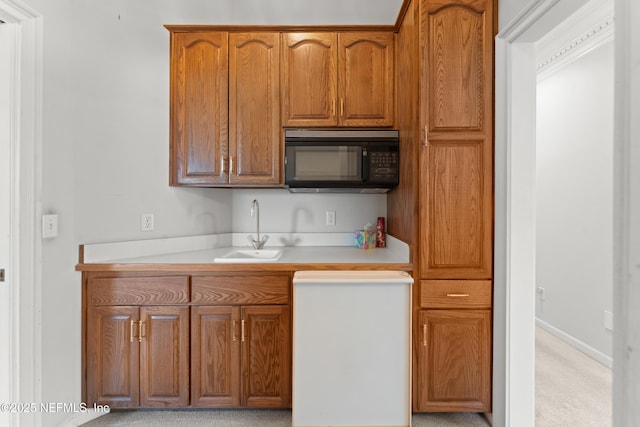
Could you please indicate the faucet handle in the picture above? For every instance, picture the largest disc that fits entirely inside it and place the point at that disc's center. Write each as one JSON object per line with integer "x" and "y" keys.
{"x": 265, "y": 238}
{"x": 257, "y": 244}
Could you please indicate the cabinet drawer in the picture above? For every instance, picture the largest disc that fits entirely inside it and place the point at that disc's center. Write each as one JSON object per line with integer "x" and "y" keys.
{"x": 240, "y": 290}
{"x": 455, "y": 293}
{"x": 139, "y": 290}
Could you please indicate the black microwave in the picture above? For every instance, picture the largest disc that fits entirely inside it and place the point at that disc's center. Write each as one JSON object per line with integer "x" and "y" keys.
{"x": 341, "y": 160}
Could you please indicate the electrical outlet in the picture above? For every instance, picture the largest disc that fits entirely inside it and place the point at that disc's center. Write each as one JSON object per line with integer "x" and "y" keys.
{"x": 331, "y": 217}
{"x": 542, "y": 293}
{"x": 146, "y": 222}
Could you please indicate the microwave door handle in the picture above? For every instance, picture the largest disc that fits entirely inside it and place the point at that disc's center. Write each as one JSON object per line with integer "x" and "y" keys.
{"x": 365, "y": 165}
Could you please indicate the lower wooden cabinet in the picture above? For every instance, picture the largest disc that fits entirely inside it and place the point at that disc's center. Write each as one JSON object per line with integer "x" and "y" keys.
{"x": 138, "y": 356}
{"x": 266, "y": 356}
{"x": 179, "y": 341}
{"x": 215, "y": 356}
{"x": 454, "y": 360}
{"x": 240, "y": 356}
{"x": 241, "y": 341}
{"x": 452, "y": 342}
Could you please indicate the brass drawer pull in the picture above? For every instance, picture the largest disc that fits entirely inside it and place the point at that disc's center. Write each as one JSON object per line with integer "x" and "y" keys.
{"x": 457, "y": 295}
{"x": 242, "y": 330}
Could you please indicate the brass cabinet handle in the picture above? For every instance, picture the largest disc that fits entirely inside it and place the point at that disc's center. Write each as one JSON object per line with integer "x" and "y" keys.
{"x": 233, "y": 330}
{"x": 333, "y": 107}
{"x": 425, "y": 140}
{"x": 424, "y": 335}
{"x": 231, "y": 165}
{"x": 131, "y": 330}
{"x": 223, "y": 165}
{"x": 242, "y": 330}
{"x": 457, "y": 295}
{"x": 141, "y": 330}
{"x": 341, "y": 107}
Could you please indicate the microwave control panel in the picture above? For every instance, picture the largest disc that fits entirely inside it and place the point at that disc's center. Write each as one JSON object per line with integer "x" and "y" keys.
{"x": 383, "y": 165}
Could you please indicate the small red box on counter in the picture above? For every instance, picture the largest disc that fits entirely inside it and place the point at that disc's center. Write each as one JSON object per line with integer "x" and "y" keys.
{"x": 381, "y": 238}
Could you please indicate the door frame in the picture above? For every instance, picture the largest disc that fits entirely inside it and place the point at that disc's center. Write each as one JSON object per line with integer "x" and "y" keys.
{"x": 514, "y": 279}
{"x": 626, "y": 239}
{"x": 25, "y": 193}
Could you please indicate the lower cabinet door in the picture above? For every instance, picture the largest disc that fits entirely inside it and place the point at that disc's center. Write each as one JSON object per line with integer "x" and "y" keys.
{"x": 266, "y": 356}
{"x": 454, "y": 360}
{"x": 112, "y": 356}
{"x": 164, "y": 356}
{"x": 215, "y": 356}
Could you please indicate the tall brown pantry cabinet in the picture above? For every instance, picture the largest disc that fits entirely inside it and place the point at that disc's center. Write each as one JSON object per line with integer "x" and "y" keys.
{"x": 444, "y": 204}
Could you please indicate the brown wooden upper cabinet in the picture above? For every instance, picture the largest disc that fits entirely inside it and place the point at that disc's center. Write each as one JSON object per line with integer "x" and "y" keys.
{"x": 338, "y": 79}
{"x": 225, "y": 109}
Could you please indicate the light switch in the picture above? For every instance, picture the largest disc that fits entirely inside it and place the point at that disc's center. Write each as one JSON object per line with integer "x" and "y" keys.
{"x": 49, "y": 226}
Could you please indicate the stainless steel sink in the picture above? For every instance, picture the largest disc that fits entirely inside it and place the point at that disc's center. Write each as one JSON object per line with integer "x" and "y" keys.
{"x": 251, "y": 255}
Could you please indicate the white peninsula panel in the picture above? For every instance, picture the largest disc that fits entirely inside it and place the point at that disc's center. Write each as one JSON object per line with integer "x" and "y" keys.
{"x": 351, "y": 348}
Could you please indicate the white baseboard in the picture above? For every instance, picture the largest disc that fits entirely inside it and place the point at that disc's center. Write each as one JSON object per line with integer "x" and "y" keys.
{"x": 577, "y": 344}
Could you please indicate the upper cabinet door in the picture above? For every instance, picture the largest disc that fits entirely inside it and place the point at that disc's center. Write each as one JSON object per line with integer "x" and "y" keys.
{"x": 254, "y": 108}
{"x": 456, "y": 156}
{"x": 366, "y": 79}
{"x": 457, "y": 40}
{"x": 309, "y": 79}
{"x": 199, "y": 108}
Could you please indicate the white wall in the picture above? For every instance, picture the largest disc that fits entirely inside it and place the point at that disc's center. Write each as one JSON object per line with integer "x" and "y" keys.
{"x": 281, "y": 211}
{"x": 574, "y": 189}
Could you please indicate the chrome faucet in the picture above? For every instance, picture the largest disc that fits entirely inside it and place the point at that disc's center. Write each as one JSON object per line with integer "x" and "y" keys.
{"x": 257, "y": 243}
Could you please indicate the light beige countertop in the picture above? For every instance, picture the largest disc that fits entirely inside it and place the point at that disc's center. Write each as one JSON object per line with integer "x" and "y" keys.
{"x": 198, "y": 253}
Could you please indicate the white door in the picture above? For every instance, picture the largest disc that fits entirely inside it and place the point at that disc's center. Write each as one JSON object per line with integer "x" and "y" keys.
{"x": 5, "y": 220}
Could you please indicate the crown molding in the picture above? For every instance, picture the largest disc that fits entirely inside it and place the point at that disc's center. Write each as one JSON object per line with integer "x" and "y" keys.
{"x": 591, "y": 26}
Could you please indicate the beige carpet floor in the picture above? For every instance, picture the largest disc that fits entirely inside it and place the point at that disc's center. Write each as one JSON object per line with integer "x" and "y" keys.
{"x": 572, "y": 389}
{"x": 253, "y": 418}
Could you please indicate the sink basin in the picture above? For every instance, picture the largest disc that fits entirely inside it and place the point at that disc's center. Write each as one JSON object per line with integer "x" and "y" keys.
{"x": 251, "y": 255}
